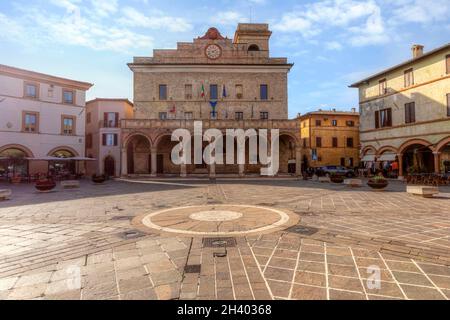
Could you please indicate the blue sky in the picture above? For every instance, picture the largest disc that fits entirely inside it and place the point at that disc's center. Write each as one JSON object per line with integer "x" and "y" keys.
{"x": 331, "y": 42}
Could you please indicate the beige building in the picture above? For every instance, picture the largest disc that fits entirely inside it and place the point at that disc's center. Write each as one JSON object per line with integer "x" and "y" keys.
{"x": 330, "y": 137}
{"x": 405, "y": 113}
{"x": 103, "y": 134}
{"x": 223, "y": 82}
{"x": 41, "y": 116}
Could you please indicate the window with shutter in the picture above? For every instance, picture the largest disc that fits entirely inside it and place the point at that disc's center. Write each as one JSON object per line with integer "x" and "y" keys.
{"x": 448, "y": 104}
{"x": 335, "y": 142}
{"x": 410, "y": 114}
{"x": 447, "y": 62}
{"x": 409, "y": 77}
{"x": 104, "y": 139}
{"x": 350, "y": 142}
{"x": 382, "y": 87}
{"x": 377, "y": 119}
{"x": 318, "y": 142}
{"x": 116, "y": 138}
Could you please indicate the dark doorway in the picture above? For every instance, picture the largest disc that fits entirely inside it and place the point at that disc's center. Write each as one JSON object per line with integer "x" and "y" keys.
{"x": 418, "y": 159}
{"x": 130, "y": 158}
{"x": 160, "y": 164}
{"x": 110, "y": 166}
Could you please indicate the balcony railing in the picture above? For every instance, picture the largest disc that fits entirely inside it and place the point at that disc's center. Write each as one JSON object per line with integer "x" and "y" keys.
{"x": 108, "y": 124}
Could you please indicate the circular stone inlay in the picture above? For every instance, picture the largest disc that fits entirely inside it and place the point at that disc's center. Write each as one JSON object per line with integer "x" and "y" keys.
{"x": 216, "y": 215}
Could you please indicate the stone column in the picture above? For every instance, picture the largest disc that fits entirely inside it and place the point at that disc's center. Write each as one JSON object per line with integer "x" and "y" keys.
{"x": 153, "y": 164}
{"x": 298, "y": 161}
{"x": 212, "y": 170}
{"x": 124, "y": 163}
{"x": 400, "y": 166}
{"x": 241, "y": 170}
{"x": 437, "y": 162}
{"x": 183, "y": 171}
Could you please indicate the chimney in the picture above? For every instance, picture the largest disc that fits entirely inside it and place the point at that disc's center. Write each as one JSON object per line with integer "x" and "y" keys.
{"x": 417, "y": 50}
{"x": 353, "y": 109}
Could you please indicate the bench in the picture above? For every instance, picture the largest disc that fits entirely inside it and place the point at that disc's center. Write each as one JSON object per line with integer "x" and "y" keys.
{"x": 424, "y": 191}
{"x": 5, "y": 194}
{"x": 353, "y": 182}
{"x": 70, "y": 184}
{"x": 324, "y": 179}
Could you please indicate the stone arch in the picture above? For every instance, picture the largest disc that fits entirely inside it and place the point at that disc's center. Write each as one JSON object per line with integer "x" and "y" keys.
{"x": 409, "y": 143}
{"x": 386, "y": 148}
{"x": 253, "y": 47}
{"x": 25, "y": 150}
{"x": 367, "y": 148}
{"x": 137, "y": 147}
{"x": 66, "y": 148}
{"x": 129, "y": 137}
{"x": 441, "y": 144}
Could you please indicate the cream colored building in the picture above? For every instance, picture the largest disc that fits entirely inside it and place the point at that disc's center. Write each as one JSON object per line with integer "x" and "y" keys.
{"x": 405, "y": 112}
{"x": 103, "y": 134}
{"x": 40, "y": 116}
{"x": 226, "y": 83}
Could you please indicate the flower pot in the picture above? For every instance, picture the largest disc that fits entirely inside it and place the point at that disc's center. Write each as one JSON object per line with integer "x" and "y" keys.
{"x": 337, "y": 179}
{"x": 98, "y": 179}
{"x": 45, "y": 185}
{"x": 378, "y": 185}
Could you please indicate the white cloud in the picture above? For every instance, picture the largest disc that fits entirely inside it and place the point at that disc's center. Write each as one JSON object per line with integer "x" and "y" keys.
{"x": 105, "y": 7}
{"x": 420, "y": 11}
{"x": 333, "y": 45}
{"x": 228, "y": 18}
{"x": 133, "y": 18}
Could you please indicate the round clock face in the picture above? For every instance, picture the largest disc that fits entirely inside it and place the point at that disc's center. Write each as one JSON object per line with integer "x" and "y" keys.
{"x": 213, "y": 51}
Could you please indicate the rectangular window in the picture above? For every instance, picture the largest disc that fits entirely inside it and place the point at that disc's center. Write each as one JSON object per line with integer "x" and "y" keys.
{"x": 384, "y": 118}
{"x": 239, "y": 115}
{"x": 410, "y": 112}
{"x": 343, "y": 162}
{"x": 88, "y": 117}
{"x": 318, "y": 123}
{"x": 162, "y": 92}
{"x": 349, "y": 142}
{"x": 88, "y": 141}
{"x": 377, "y": 119}
{"x": 263, "y": 92}
{"x": 188, "y": 116}
{"x": 447, "y": 63}
{"x": 334, "y": 123}
{"x": 31, "y": 90}
{"x": 383, "y": 87}
{"x": 239, "y": 91}
{"x": 318, "y": 142}
{"x": 111, "y": 119}
{"x": 110, "y": 139}
{"x": 188, "y": 91}
{"x": 162, "y": 115}
{"x": 314, "y": 155}
{"x": 351, "y": 162}
{"x": 264, "y": 115}
{"x": 30, "y": 122}
{"x": 213, "y": 92}
{"x": 68, "y": 125}
{"x": 448, "y": 104}
{"x": 409, "y": 78}
{"x": 335, "y": 142}
{"x": 350, "y": 123}
{"x": 68, "y": 96}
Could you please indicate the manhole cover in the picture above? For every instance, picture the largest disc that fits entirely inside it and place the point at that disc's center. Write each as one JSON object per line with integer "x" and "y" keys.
{"x": 219, "y": 242}
{"x": 131, "y": 234}
{"x": 303, "y": 230}
{"x": 193, "y": 268}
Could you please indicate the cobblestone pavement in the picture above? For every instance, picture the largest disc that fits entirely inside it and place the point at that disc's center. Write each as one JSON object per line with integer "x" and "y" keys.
{"x": 85, "y": 243}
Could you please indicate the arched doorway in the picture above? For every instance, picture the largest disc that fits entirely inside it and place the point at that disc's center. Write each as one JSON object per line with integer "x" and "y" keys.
{"x": 287, "y": 154}
{"x": 64, "y": 167}
{"x": 164, "y": 164}
{"x": 138, "y": 155}
{"x": 443, "y": 156}
{"x": 110, "y": 166}
{"x": 417, "y": 158}
{"x": 13, "y": 162}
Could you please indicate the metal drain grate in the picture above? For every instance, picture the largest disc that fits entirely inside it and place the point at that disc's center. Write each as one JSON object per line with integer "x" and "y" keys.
{"x": 193, "y": 268}
{"x": 219, "y": 242}
{"x": 131, "y": 234}
{"x": 303, "y": 230}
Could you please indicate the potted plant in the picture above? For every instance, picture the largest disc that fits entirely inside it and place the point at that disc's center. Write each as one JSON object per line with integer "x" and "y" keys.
{"x": 45, "y": 185}
{"x": 98, "y": 179}
{"x": 378, "y": 182}
{"x": 335, "y": 178}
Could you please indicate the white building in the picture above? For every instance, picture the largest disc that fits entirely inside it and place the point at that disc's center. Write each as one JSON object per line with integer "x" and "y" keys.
{"x": 40, "y": 116}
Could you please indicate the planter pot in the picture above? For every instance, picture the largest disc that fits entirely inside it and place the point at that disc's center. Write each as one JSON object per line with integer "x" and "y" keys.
{"x": 45, "y": 185}
{"x": 337, "y": 179}
{"x": 378, "y": 185}
{"x": 98, "y": 179}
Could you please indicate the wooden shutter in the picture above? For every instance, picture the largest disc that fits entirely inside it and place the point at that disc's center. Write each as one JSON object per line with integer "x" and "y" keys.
{"x": 117, "y": 119}
{"x": 115, "y": 139}
{"x": 104, "y": 139}
{"x": 448, "y": 104}
{"x": 389, "y": 117}
{"x": 105, "y": 119}
{"x": 377, "y": 119}
{"x": 412, "y": 112}
{"x": 447, "y": 59}
{"x": 407, "y": 113}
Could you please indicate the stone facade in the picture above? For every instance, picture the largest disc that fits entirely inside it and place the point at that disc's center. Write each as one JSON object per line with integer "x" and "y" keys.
{"x": 330, "y": 138}
{"x": 226, "y": 84}
{"x": 405, "y": 111}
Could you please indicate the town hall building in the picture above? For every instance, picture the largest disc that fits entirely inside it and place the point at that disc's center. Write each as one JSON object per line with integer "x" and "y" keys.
{"x": 225, "y": 83}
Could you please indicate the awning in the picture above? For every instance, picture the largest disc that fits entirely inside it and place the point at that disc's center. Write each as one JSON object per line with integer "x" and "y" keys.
{"x": 368, "y": 158}
{"x": 387, "y": 157}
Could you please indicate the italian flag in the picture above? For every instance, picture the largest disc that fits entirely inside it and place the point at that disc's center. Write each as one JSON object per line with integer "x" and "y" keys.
{"x": 203, "y": 91}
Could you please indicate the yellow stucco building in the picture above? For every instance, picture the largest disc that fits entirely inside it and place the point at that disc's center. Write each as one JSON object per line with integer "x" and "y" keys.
{"x": 405, "y": 113}
{"x": 330, "y": 138}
